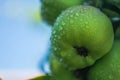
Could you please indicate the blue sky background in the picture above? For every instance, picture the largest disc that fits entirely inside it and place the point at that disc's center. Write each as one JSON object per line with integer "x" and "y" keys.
{"x": 24, "y": 39}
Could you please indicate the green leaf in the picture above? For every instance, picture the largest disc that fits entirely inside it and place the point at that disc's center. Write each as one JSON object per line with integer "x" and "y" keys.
{"x": 111, "y": 13}
{"x": 114, "y": 2}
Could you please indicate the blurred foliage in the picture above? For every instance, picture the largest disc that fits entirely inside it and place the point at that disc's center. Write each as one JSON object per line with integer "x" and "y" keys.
{"x": 117, "y": 33}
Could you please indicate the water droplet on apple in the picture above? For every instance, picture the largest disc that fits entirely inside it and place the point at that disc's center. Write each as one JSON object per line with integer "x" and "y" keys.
{"x": 56, "y": 24}
{"x": 54, "y": 39}
{"x": 110, "y": 77}
{"x": 55, "y": 36}
{"x": 61, "y": 60}
{"x": 77, "y": 14}
{"x": 55, "y": 49}
{"x": 71, "y": 11}
{"x": 63, "y": 23}
{"x": 54, "y": 32}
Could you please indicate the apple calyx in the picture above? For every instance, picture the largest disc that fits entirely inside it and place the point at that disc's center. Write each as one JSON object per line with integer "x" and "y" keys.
{"x": 82, "y": 51}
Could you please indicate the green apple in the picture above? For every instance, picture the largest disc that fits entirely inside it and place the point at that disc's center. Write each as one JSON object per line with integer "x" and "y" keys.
{"x": 107, "y": 68}
{"x": 52, "y": 8}
{"x": 59, "y": 72}
{"x": 80, "y": 36}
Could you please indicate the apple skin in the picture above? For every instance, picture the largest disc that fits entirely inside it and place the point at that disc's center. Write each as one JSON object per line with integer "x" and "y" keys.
{"x": 81, "y": 27}
{"x": 52, "y": 8}
{"x": 59, "y": 72}
{"x": 107, "y": 68}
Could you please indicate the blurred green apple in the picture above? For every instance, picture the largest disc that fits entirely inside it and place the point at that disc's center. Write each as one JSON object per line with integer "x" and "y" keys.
{"x": 52, "y": 8}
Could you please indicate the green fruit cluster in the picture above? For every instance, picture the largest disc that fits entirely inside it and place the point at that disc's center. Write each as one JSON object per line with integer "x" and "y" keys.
{"x": 80, "y": 36}
{"x": 85, "y": 39}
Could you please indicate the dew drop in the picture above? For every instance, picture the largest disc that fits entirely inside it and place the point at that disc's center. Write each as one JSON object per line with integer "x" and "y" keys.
{"x": 71, "y": 11}
{"x": 61, "y": 28}
{"x": 55, "y": 36}
{"x": 77, "y": 14}
{"x": 55, "y": 48}
{"x": 61, "y": 60}
{"x": 54, "y": 32}
{"x": 54, "y": 40}
{"x": 56, "y": 24}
